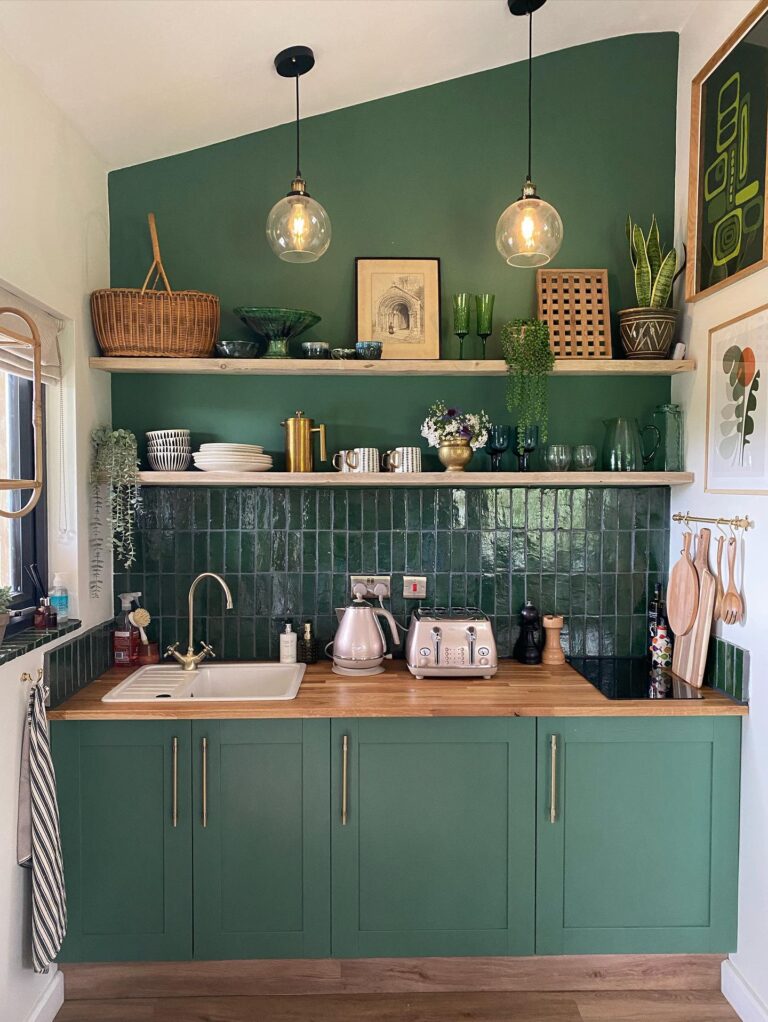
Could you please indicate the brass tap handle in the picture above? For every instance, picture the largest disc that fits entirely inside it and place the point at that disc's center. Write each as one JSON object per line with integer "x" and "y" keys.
{"x": 171, "y": 650}
{"x": 323, "y": 450}
{"x": 207, "y": 650}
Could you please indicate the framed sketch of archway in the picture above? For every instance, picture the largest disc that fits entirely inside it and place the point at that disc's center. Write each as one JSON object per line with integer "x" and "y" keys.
{"x": 398, "y": 303}
{"x": 728, "y": 170}
{"x": 737, "y": 405}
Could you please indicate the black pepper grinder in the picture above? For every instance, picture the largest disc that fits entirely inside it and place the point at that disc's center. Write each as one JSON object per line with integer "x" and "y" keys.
{"x": 527, "y": 649}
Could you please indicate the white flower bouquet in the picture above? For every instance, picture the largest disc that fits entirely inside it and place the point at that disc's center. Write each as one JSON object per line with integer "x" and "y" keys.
{"x": 443, "y": 424}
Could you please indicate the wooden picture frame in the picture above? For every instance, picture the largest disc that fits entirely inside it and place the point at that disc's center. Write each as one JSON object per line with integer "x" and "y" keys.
{"x": 728, "y": 164}
{"x": 398, "y": 303}
{"x": 736, "y": 455}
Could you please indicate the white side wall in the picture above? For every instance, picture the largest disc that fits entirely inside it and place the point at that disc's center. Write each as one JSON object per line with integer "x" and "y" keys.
{"x": 709, "y": 25}
{"x": 53, "y": 248}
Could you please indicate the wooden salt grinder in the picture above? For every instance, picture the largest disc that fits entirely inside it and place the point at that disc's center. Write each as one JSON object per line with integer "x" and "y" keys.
{"x": 552, "y": 653}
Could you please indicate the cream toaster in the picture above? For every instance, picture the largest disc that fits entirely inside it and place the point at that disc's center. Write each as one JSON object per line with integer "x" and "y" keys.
{"x": 450, "y": 643}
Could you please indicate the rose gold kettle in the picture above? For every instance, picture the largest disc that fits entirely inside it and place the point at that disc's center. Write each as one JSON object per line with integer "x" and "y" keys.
{"x": 359, "y": 645}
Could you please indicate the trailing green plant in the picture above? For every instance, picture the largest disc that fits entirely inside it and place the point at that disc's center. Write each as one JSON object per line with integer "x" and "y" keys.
{"x": 529, "y": 359}
{"x": 6, "y": 595}
{"x": 115, "y": 464}
{"x": 655, "y": 270}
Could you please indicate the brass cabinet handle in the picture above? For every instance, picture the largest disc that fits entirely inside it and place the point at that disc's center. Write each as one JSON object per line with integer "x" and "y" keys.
{"x": 344, "y": 778}
{"x": 175, "y": 781}
{"x": 553, "y": 778}
{"x": 204, "y": 751}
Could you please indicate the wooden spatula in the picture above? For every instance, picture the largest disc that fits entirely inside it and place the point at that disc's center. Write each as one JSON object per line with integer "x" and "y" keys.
{"x": 683, "y": 591}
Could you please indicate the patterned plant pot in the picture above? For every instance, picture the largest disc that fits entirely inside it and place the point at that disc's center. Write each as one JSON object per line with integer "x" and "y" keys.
{"x": 647, "y": 333}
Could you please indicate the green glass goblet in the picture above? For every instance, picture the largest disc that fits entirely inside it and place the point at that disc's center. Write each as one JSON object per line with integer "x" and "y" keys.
{"x": 461, "y": 309}
{"x": 484, "y": 306}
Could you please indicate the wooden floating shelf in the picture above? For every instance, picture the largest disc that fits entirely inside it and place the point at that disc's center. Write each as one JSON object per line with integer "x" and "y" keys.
{"x": 388, "y": 479}
{"x": 383, "y": 367}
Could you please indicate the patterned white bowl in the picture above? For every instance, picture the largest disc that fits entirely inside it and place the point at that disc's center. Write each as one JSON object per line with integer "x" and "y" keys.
{"x": 169, "y": 462}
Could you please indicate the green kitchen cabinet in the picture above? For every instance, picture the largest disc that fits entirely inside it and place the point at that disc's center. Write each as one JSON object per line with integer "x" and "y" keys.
{"x": 127, "y": 861}
{"x": 433, "y": 836}
{"x": 637, "y": 835}
{"x": 261, "y": 837}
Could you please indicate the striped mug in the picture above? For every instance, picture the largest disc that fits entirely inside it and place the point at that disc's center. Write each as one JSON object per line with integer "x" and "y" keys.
{"x": 363, "y": 459}
{"x": 402, "y": 459}
{"x": 341, "y": 461}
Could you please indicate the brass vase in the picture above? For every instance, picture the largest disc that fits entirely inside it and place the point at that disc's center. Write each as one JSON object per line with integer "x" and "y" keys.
{"x": 455, "y": 455}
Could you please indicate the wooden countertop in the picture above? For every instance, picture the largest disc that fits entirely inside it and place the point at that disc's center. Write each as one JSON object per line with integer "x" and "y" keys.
{"x": 516, "y": 691}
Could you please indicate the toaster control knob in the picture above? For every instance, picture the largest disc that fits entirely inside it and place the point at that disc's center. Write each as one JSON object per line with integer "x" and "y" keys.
{"x": 424, "y": 651}
{"x": 483, "y": 661}
{"x": 423, "y": 662}
{"x": 484, "y": 651}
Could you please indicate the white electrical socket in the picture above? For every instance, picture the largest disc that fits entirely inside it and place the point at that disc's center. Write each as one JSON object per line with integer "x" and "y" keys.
{"x": 370, "y": 582}
{"x": 414, "y": 587}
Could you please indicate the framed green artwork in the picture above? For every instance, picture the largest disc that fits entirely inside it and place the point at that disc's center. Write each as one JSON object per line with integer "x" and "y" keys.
{"x": 728, "y": 181}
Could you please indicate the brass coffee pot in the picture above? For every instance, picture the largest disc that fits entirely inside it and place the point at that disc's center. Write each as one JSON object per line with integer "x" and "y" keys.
{"x": 298, "y": 443}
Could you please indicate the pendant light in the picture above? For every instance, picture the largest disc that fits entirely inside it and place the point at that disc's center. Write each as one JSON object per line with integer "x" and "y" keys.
{"x": 530, "y": 231}
{"x": 298, "y": 228}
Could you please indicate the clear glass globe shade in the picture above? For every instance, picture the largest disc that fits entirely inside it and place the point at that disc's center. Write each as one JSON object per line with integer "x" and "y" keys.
{"x": 529, "y": 232}
{"x": 298, "y": 229}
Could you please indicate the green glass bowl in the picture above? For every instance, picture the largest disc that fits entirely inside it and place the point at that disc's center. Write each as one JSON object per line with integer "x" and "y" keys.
{"x": 277, "y": 326}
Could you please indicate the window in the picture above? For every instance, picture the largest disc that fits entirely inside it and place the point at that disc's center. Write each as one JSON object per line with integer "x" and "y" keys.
{"x": 22, "y": 540}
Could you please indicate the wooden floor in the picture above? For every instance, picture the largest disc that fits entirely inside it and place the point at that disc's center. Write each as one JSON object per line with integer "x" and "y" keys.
{"x": 579, "y": 1006}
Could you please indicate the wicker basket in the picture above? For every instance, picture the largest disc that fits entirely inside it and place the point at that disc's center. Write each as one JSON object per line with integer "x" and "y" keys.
{"x": 142, "y": 321}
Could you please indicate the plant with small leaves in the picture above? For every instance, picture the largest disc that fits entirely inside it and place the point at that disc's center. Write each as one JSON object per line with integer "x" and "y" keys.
{"x": 529, "y": 360}
{"x": 6, "y": 595}
{"x": 115, "y": 464}
{"x": 654, "y": 269}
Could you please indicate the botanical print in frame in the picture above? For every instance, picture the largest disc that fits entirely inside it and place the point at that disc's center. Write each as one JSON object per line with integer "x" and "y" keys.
{"x": 728, "y": 173}
{"x": 398, "y": 303}
{"x": 737, "y": 405}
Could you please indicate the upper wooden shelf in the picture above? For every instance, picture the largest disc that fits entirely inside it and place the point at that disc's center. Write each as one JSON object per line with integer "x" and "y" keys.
{"x": 386, "y": 479}
{"x": 384, "y": 367}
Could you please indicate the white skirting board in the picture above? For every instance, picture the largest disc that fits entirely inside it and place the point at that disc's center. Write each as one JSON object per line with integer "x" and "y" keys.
{"x": 47, "y": 1007}
{"x": 740, "y": 995}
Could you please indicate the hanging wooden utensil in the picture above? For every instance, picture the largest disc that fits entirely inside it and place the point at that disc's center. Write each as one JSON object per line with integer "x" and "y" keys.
{"x": 717, "y": 614}
{"x": 690, "y": 652}
{"x": 683, "y": 591}
{"x": 733, "y": 607}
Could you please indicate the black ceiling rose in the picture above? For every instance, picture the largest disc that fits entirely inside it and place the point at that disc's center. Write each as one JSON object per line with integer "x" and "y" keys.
{"x": 524, "y": 6}
{"x": 297, "y": 60}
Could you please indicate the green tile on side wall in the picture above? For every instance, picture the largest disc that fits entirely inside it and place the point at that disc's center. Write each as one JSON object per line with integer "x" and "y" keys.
{"x": 480, "y": 547}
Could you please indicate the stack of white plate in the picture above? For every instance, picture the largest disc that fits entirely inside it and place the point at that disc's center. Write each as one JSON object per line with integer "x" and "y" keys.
{"x": 232, "y": 458}
{"x": 169, "y": 450}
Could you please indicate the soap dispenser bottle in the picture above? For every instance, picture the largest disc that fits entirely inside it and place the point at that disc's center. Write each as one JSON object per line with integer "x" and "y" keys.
{"x": 126, "y": 640}
{"x": 288, "y": 645}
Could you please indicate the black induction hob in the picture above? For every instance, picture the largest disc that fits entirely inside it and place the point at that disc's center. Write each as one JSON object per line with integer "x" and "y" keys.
{"x": 631, "y": 678}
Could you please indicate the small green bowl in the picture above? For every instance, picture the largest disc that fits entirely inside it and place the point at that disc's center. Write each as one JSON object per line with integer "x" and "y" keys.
{"x": 238, "y": 347}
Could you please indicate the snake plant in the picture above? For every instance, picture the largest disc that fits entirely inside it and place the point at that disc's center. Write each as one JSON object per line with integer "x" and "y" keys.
{"x": 654, "y": 271}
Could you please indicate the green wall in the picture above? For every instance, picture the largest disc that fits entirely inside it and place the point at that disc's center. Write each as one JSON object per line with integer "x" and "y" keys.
{"x": 421, "y": 173}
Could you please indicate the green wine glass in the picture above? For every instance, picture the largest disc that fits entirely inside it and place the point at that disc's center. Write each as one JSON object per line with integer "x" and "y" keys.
{"x": 461, "y": 309}
{"x": 484, "y": 306}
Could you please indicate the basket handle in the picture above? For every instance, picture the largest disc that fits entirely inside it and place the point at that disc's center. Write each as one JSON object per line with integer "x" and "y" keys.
{"x": 157, "y": 263}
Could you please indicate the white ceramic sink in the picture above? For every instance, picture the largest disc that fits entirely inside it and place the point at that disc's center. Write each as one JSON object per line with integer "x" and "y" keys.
{"x": 209, "y": 682}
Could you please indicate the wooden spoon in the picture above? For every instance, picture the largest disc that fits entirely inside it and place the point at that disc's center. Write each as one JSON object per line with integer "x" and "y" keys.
{"x": 732, "y": 608}
{"x": 720, "y": 591}
{"x": 683, "y": 591}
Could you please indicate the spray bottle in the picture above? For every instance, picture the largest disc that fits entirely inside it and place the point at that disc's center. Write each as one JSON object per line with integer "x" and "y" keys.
{"x": 126, "y": 639}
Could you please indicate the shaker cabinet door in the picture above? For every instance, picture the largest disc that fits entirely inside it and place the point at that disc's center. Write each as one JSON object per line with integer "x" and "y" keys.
{"x": 127, "y": 855}
{"x": 261, "y": 838}
{"x": 433, "y": 836}
{"x": 637, "y": 835}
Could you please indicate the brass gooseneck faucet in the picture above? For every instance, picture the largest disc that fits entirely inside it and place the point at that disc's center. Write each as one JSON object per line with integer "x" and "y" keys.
{"x": 190, "y": 659}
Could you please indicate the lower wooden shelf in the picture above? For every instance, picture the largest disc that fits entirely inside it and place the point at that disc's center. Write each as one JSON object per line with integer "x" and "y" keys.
{"x": 386, "y": 479}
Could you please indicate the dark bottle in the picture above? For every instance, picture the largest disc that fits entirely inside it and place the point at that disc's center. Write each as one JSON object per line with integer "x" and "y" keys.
{"x": 306, "y": 652}
{"x": 527, "y": 649}
{"x": 655, "y": 606}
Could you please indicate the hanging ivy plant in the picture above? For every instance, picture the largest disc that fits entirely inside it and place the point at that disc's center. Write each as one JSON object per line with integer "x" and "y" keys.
{"x": 115, "y": 465}
{"x": 529, "y": 359}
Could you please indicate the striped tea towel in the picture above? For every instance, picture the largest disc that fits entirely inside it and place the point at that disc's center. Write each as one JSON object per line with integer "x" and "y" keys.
{"x": 39, "y": 841}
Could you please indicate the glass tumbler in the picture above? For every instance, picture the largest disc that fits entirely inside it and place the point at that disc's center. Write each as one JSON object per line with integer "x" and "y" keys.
{"x": 669, "y": 456}
{"x": 558, "y": 457}
{"x": 584, "y": 457}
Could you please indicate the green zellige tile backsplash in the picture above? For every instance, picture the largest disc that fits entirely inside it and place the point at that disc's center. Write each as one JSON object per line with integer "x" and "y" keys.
{"x": 592, "y": 555}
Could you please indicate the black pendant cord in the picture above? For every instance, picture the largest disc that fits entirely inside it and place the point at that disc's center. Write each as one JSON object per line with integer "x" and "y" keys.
{"x": 298, "y": 138}
{"x": 530, "y": 86}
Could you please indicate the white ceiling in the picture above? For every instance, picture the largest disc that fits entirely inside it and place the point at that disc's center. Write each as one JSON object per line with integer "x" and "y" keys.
{"x": 146, "y": 78}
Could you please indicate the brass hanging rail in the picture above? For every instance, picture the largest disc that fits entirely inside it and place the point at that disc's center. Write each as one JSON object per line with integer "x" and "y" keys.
{"x": 734, "y": 523}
